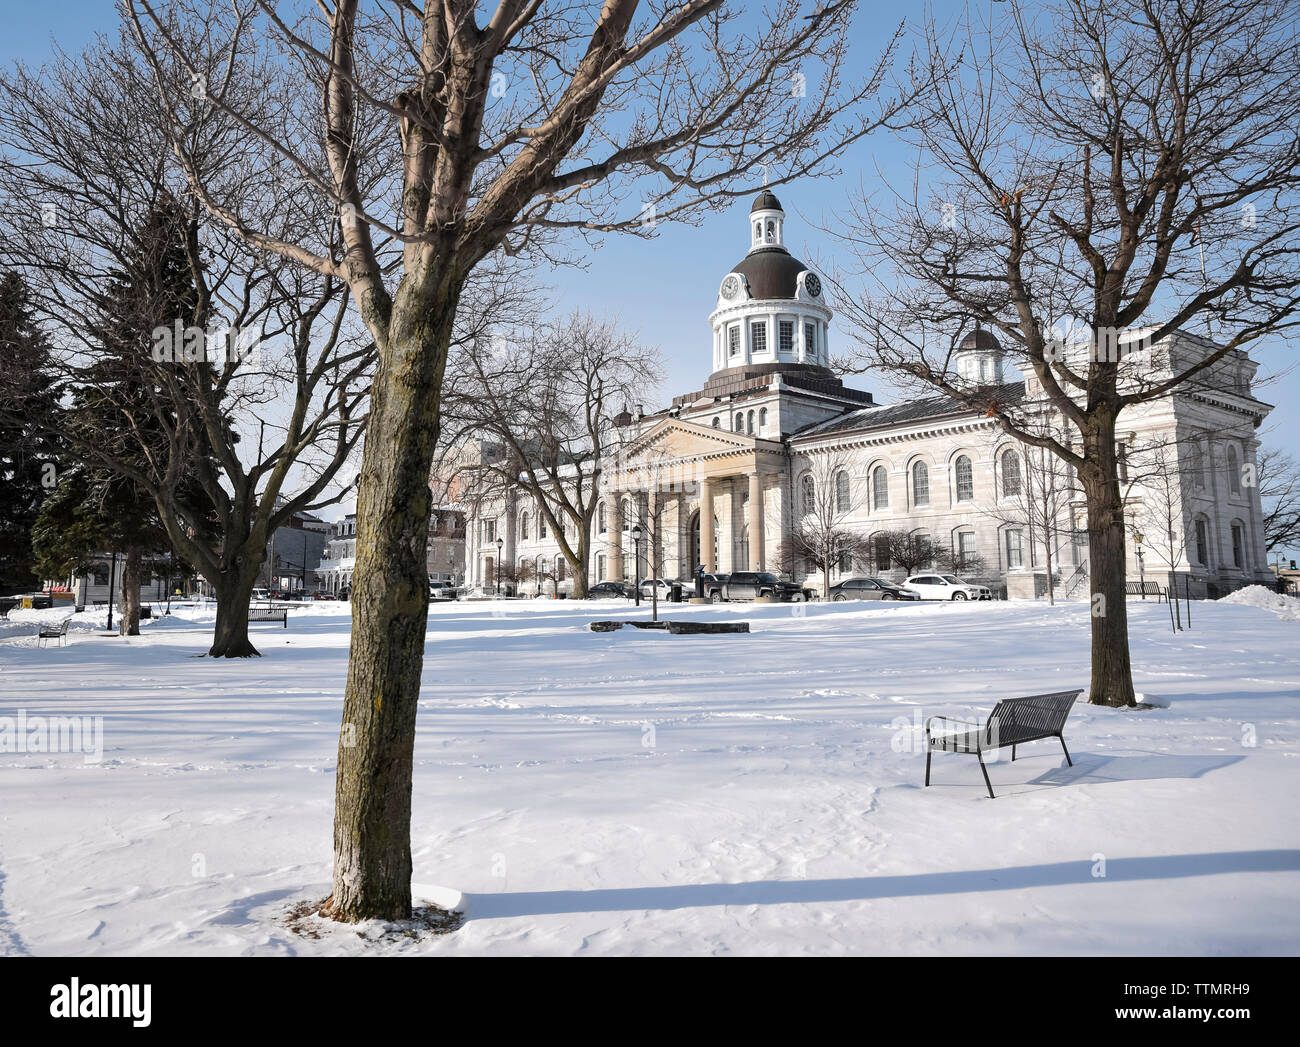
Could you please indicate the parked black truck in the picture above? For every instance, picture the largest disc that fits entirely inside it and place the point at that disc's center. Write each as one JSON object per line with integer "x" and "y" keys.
{"x": 749, "y": 585}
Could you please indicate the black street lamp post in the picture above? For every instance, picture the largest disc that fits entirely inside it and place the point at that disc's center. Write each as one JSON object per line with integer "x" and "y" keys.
{"x": 112, "y": 570}
{"x": 500, "y": 545}
{"x": 636, "y": 569}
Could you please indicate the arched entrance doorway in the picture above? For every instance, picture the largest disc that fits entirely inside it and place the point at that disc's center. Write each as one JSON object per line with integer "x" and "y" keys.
{"x": 696, "y": 557}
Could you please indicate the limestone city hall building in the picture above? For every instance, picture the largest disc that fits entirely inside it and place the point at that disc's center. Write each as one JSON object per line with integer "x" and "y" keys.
{"x": 725, "y": 471}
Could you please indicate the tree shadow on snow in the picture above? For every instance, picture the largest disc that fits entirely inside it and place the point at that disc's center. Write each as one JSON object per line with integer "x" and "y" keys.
{"x": 867, "y": 888}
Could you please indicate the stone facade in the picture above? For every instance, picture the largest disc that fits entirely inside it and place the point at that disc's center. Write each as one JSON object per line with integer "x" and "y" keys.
{"x": 721, "y": 476}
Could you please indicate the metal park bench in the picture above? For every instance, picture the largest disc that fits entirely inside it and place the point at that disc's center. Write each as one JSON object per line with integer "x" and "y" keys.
{"x": 1012, "y": 722}
{"x": 268, "y": 614}
{"x": 1144, "y": 589}
{"x": 53, "y": 632}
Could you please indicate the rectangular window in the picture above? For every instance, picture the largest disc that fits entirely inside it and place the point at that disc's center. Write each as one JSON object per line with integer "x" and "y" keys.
{"x": 810, "y": 338}
{"x": 733, "y": 341}
{"x": 1015, "y": 548}
{"x": 489, "y": 530}
{"x": 758, "y": 337}
{"x": 1202, "y": 543}
{"x": 600, "y": 567}
{"x": 882, "y": 553}
{"x": 1238, "y": 556}
{"x": 966, "y": 546}
{"x": 787, "y": 336}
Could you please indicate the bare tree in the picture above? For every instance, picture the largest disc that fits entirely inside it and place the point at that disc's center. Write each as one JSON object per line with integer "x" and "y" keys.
{"x": 439, "y": 140}
{"x": 1117, "y": 167}
{"x": 911, "y": 550}
{"x": 827, "y": 494}
{"x": 241, "y": 396}
{"x": 550, "y": 396}
{"x": 1162, "y": 516}
{"x": 1278, "y": 476}
{"x": 1042, "y": 499}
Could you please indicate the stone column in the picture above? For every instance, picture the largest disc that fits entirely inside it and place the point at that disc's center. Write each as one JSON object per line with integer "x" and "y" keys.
{"x": 614, "y": 514}
{"x": 706, "y": 526}
{"x": 684, "y": 570}
{"x": 654, "y": 539}
{"x": 756, "y": 547}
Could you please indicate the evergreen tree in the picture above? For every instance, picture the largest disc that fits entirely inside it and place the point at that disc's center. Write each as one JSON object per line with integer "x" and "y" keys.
{"x": 117, "y": 401}
{"x": 28, "y": 455}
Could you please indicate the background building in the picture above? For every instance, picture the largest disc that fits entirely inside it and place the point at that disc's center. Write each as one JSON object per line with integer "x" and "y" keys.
{"x": 729, "y": 474}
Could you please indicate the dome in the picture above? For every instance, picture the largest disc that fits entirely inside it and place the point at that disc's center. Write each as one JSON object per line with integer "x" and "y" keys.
{"x": 772, "y": 272}
{"x": 766, "y": 201}
{"x": 982, "y": 340}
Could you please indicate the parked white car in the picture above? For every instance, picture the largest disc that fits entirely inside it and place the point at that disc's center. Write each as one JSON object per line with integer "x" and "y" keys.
{"x": 945, "y": 587}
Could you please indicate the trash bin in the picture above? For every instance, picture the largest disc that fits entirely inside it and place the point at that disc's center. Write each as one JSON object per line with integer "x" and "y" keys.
{"x": 675, "y": 594}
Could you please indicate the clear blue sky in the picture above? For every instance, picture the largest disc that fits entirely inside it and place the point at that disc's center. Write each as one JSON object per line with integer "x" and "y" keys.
{"x": 665, "y": 288}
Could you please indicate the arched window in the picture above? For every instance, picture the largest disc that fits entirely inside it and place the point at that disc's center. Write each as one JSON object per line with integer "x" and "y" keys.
{"x": 1202, "y": 541}
{"x": 842, "y": 500}
{"x": 717, "y": 422}
{"x": 749, "y": 424}
{"x": 920, "y": 484}
{"x": 541, "y": 525}
{"x": 523, "y": 527}
{"x": 601, "y": 521}
{"x": 758, "y": 232}
{"x": 740, "y": 422}
{"x": 923, "y": 547}
{"x": 880, "y": 487}
{"x": 1010, "y": 474}
{"x": 1234, "y": 470}
{"x": 809, "y": 494}
{"x": 771, "y": 231}
{"x": 965, "y": 480}
{"x": 762, "y": 419}
{"x": 1196, "y": 461}
{"x": 1238, "y": 546}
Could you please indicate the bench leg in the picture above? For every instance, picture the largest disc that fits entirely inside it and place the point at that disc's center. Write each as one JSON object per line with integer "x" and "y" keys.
{"x": 1061, "y": 739}
{"x": 980, "y": 757}
{"x": 928, "y": 755}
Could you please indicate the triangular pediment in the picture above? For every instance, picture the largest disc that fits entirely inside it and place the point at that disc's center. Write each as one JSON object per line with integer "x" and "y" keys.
{"x": 677, "y": 439}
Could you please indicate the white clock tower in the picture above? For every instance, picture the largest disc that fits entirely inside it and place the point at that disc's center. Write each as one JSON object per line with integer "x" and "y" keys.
{"x": 771, "y": 313}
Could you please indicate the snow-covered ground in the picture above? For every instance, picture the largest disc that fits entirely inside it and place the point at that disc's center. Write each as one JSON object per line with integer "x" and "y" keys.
{"x": 644, "y": 793}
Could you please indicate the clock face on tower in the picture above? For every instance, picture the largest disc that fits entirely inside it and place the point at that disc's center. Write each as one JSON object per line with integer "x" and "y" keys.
{"x": 731, "y": 287}
{"x": 814, "y": 285}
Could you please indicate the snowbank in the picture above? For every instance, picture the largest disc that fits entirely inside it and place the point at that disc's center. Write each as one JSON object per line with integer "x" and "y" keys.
{"x": 1287, "y": 607}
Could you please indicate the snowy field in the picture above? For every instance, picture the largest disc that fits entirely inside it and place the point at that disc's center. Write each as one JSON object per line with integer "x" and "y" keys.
{"x": 640, "y": 793}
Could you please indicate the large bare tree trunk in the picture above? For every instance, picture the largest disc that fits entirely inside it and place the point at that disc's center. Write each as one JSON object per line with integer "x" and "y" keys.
{"x": 372, "y": 819}
{"x": 580, "y": 581}
{"x": 1112, "y": 670}
{"x": 234, "y": 589}
{"x": 131, "y": 591}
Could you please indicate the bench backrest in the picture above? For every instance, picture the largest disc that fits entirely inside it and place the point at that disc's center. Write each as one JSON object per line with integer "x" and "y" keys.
{"x": 1033, "y": 716}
